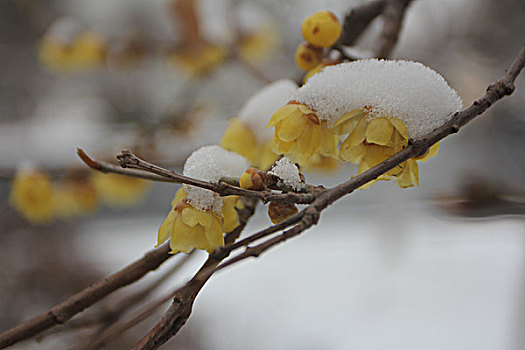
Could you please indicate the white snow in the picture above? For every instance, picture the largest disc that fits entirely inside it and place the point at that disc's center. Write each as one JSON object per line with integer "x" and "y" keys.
{"x": 211, "y": 163}
{"x": 257, "y": 111}
{"x": 288, "y": 173}
{"x": 410, "y": 91}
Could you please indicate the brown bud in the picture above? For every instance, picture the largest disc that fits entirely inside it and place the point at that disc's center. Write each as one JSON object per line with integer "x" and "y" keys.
{"x": 253, "y": 179}
{"x": 278, "y": 212}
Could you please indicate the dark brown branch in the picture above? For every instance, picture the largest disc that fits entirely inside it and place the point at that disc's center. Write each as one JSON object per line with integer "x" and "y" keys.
{"x": 75, "y": 304}
{"x": 129, "y": 160}
{"x": 393, "y": 15}
{"x": 180, "y": 309}
{"x": 106, "y": 167}
{"x": 358, "y": 19}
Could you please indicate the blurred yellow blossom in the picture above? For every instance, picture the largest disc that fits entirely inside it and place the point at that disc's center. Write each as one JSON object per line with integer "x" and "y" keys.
{"x": 87, "y": 50}
{"x": 75, "y": 197}
{"x": 32, "y": 195}
{"x": 198, "y": 60}
{"x": 257, "y": 46}
{"x": 119, "y": 190}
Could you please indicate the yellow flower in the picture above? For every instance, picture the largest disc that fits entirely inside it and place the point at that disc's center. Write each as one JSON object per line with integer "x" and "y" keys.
{"x": 239, "y": 138}
{"x": 75, "y": 197}
{"x": 372, "y": 139}
{"x": 32, "y": 196}
{"x": 300, "y": 135}
{"x": 85, "y": 51}
{"x": 200, "y": 59}
{"x": 321, "y": 29}
{"x": 258, "y": 45}
{"x": 322, "y": 164}
{"x": 307, "y": 56}
{"x": 189, "y": 228}
{"x": 119, "y": 190}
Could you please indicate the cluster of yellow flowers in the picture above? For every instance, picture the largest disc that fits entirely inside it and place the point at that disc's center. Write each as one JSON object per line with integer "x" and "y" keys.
{"x": 40, "y": 200}
{"x": 191, "y": 228}
{"x": 320, "y": 30}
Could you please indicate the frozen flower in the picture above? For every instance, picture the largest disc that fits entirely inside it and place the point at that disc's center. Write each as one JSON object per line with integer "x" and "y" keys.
{"x": 300, "y": 134}
{"x": 67, "y": 46}
{"x": 119, "y": 190}
{"x": 199, "y": 217}
{"x": 32, "y": 195}
{"x": 247, "y": 134}
{"x": 380, "y": 105}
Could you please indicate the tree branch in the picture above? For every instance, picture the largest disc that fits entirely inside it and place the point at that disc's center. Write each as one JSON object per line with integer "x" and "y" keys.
{"x": 393, "y": 15}
{"x": 358, "y": 19}
{"x": 75, "y": 304}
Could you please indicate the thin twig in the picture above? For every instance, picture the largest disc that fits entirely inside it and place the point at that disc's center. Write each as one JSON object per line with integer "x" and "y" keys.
{"x": 106, "y": 167}
{"x": 393, "y": 15}
{"x": 129, "y": 160}
{"x": 358, "y": 19}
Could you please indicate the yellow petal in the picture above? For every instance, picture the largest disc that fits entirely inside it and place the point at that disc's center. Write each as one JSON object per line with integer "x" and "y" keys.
{"x": 304, "y": 142}
{"x": 431, "y": 152}
{"x": 359, "y": 134}
{"x": 379, "y": 131}
{"x": 414, "y": 171}
{"x": 214, "y": 236}
{"x": 166, "y": 228}
{"x": 179, "y": 196}
{"x": 329, "y": 143}
{"x": 347, "y": 122}
{"x": 400, "y": 127}
{"x": 281, "y": 113}
{"x": 192, "y": 216}
{"x": 292, "y": 127}
{"x": 182, "y": 239}
{"x": 240, "y": 139}
{"x": 352, "y": 153}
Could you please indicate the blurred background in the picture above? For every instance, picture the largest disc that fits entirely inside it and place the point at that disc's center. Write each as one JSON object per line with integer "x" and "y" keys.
{"x": 433, "y": 267}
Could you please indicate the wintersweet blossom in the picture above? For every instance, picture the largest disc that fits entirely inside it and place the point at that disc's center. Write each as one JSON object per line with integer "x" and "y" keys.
{"x": 67, "y": 46}
{"x": 32, "y": 195}
{"x": 379, "y": 105}
{"x": 199, "y": 217}
{"x": 119, "y": 190}
{"x": 247, "y": 135}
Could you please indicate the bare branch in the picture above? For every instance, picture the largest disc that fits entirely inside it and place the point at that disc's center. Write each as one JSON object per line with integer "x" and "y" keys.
{"x": 129, "y": 160}
{"x": 358, "y": 19}
{"x": 106, "y": 167}
{"x": 61, "y": 313}
{"x": 393, "y": 15}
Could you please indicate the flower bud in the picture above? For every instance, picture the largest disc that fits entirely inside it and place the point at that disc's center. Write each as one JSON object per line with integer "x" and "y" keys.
{"x": 253, "y": 179}
{"x": 278, "y": 212}
{"x": 321, "y": 29}
{"x": 307, "y": 56}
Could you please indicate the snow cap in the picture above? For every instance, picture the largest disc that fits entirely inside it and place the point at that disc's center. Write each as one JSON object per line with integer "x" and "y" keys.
{"x": 211, "y": 163}
{"x": 257, "y": 111}
{"x": 410, "y": 91}
{"x": 288, "y": 174}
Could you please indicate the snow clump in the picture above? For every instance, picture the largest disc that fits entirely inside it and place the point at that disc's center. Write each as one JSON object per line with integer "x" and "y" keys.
{"x": 211, "y": 163}
{"x": 410, "y": 91}
{"x": 288, "y": 174}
